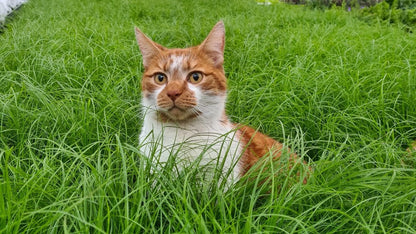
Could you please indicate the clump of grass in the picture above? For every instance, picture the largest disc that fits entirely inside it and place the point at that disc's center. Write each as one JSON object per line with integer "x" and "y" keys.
{"x": 336, "y": 90}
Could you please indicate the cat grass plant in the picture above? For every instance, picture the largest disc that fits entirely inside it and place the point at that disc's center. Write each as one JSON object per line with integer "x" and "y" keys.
{"x": 337, "y": 91}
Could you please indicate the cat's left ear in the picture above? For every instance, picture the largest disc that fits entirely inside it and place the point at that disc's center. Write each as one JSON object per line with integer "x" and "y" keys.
{"x": 213, "y": 45}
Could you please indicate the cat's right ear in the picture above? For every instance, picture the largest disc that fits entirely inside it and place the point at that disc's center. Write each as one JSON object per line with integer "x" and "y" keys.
{"x": 213, "y": 45}
{"x": 148, "y": 48}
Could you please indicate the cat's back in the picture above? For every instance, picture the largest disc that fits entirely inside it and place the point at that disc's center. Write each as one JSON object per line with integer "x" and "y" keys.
{"x": 256, "y": 145}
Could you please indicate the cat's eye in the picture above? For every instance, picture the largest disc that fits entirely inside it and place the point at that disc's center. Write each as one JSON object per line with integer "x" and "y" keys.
{"x": 195, "y": 77}
{"x": 160, "y": 78}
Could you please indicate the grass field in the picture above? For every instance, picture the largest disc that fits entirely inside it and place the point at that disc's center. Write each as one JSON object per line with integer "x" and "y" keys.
{"x": 339, "y": 91}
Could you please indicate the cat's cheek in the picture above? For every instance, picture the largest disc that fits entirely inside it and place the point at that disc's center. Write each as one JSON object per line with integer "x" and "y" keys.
{"x": 196, "y": 92}
{"x": 149, "y": 99}
{"x": 147, "y": 102}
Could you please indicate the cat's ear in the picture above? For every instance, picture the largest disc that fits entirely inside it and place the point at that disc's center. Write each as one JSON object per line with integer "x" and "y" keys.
{"x": 148, "y": 48}
{"x": 213, "y": 45}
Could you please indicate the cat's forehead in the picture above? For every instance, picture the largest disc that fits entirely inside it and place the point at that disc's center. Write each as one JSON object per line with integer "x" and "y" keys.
{"x": 182, "y": 59}
{"x": 178, "y": 63}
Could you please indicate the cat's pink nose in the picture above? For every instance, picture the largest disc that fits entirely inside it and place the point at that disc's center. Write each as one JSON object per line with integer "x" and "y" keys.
{"x": 173, "y": 94}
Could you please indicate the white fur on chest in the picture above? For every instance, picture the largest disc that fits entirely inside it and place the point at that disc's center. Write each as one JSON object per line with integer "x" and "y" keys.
{"x": 204, "y": 138}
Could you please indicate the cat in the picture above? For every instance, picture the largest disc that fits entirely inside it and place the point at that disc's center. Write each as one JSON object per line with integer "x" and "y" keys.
{"x": 184, "y": 93}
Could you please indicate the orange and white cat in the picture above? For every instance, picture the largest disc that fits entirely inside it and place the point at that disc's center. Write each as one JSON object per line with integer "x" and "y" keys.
{"x": 184, "y": 93}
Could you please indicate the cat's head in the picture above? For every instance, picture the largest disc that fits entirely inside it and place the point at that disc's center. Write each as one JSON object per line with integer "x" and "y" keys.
{"x": 181, "y": 84}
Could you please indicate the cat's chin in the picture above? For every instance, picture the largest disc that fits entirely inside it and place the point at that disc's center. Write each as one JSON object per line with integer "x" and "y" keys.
{"x": 177, "y": 114}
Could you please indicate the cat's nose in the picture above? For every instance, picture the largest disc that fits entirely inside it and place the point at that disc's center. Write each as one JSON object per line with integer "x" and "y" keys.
{"x": 173, "y": 94}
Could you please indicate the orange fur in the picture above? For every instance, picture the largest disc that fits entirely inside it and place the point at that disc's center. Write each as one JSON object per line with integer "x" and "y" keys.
{"x": 258, "y": 145}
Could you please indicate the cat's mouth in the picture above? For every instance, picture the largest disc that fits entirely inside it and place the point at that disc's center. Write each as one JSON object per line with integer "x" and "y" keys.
{"x": 176, "y": 113}
{"x": 176, "y": 110}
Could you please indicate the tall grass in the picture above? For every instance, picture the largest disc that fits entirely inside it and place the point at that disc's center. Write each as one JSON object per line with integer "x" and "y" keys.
{"x": 339, "y": 91}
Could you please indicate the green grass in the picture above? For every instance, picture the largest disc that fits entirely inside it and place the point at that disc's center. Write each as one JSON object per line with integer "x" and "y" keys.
{"x": 339, "y": 91}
